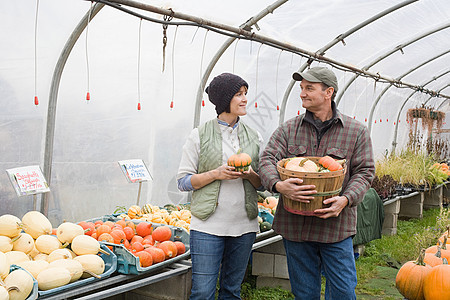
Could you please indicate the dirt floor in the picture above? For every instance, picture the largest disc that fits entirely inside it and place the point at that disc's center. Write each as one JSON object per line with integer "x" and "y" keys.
{"x": 385, "y": 282}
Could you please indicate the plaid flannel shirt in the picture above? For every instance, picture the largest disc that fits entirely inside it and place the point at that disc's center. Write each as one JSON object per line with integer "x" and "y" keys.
{"x": 345, "y": 138}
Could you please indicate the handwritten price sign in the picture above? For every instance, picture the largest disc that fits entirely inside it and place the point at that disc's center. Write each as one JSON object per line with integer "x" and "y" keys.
{"x": 28, "y": 180}
{"x": 135, "y": 170}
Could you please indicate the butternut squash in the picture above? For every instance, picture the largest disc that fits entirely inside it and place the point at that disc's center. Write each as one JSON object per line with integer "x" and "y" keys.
{"x": 59, "y": 254}
{"x": 67, "y": 231}
{"x": 52, "y": 278}
{"x": 4, "y": 295}
{"x": 33, "y": 252}
{"x": 4, "y": 266}
{"x": 92, "y": 263}
{"x": 41, "y": 256}
{"x": 34, "y": 267}
{"x": 10, "y": 225}
{"x": 24, "y": 243}
{"x": 6, "y": 244}
{"x": 85, "y": 244}
{"x": 73, "y": 266}
{"x": 47, "y": 243}
{"x": 23, "y": 281}
{"x": 36, "y": 224}
{"x": 13, "y": 257}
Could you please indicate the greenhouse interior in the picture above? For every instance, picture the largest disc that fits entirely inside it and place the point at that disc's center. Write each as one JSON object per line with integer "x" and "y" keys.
{"x": 93, "y": 89}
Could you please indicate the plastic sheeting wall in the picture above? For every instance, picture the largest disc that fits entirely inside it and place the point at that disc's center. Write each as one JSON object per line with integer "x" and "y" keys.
{"x": 90, "y": 137}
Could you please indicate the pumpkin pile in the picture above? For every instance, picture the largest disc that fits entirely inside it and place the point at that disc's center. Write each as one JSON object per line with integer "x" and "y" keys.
{"x": 428, "y": 276}
{"x": 304, "y": 164}
{"x": 53, "y": 256}
{"x": 151, "y": 245}
{"x": 175, "y": 215}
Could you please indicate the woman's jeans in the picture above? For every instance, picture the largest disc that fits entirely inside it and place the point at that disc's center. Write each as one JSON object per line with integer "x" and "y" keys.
{"x": 308, "y": 260}
{"x": 211, "y": 253}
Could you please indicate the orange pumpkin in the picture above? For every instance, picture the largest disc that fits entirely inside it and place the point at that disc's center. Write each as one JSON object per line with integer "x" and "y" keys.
{"x": 240, "y": 161}
{"x": 161, "y": 234}
{"x": 144, "y": 228}
{"x": 105, "y": 237}
{"x": 87, "y": 230}
{"x": 129, "y": 232}
{"x": 181, "y": 248}
{"x": 145, "y": 258}
{"x": 136, "y": 238}
{"x": 169, "y": 248}
{"x": 127, "y": 244}
{"x": 330, "y": 163}
{"x": 436, "y": 284}
{"x": 433, "y": 259}
{"x": 270, "y": 202}
{"x": 118, "y": 236}
{"x": 410, "y": 278}
{"x": 130, "y": 224}
{"x": 445, "y": 253}
{"x": 121, "y": 222}
{"x": 137, "y": 247}
{"x": 109, "y": 223}
{"x": 148, "y": 240}
{"x": 103, "y": 229}
{"x": 158, "y": 254}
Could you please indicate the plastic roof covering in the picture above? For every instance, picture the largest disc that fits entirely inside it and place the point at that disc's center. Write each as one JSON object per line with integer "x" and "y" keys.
{"x": 118, "y": 58}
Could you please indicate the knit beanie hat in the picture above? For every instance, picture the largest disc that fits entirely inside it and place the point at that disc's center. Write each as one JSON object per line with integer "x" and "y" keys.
{"x": 223, "y": 88}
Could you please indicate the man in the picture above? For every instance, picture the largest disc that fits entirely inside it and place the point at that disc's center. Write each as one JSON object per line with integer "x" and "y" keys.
{"x": 321, "y": 243}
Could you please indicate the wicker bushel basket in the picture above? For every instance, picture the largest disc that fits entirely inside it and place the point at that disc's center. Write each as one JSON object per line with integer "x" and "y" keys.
{"x": 328, "y": 184}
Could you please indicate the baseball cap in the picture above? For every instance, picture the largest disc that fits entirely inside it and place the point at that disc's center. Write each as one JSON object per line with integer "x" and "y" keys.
{"x": 318, "y": 74}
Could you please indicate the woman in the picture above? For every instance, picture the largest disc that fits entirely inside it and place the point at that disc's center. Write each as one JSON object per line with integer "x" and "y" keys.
{"x": 224, "y": 202}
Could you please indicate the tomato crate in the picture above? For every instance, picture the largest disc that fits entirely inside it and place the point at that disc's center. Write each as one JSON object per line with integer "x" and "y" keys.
{"x": 34, "y": 292}
{"x": 127, "y": 263}
{"x": 110, "y": 260}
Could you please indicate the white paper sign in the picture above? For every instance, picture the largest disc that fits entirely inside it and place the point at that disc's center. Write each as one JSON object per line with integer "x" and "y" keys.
{"x": 135, "y": 170}
{"x": 28, "y": 180}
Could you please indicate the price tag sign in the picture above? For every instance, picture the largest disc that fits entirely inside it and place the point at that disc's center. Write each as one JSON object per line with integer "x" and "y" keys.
{"x": 135, "y": 170}
{"x": 28, "y": 180}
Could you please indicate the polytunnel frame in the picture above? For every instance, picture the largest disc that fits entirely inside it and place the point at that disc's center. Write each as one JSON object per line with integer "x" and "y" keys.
{"x": 243, "y": 33}
{"x": 388, "y": 53}
{"x": 394, "y": 142}
{"x": 339, "y": 38}
{"x": 374, "y": 104}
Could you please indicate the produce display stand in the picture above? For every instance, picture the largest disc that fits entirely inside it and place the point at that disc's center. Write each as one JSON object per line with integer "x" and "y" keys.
{"x": 115, "y": 286}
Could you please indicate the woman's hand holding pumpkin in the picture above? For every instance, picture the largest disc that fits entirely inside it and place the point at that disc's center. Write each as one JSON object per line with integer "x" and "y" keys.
{"x": 225, "y": 172}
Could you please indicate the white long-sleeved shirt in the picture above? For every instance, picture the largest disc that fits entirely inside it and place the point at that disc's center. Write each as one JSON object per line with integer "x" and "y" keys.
{"x": 230, "y": 217}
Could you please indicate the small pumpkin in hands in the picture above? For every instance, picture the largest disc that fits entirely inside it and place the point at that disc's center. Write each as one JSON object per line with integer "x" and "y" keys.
{"x": 240, "y": 161}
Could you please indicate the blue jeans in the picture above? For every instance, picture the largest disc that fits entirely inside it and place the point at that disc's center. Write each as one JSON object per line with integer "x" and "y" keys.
{"x": 211, "y": 254}
{"x": 306, "y": 262}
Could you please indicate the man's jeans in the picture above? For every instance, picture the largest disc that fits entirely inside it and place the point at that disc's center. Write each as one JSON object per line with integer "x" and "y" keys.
{"x": 308, "y": 260}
